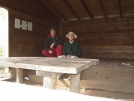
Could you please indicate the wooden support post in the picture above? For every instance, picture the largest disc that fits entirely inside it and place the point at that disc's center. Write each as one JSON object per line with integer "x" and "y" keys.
{"x": 13, "y": 73}
{"x": 49, "y": 82}
{"x": 75, "y": 83}
{"x": 19, "y": 77}
{"x": 49, "y": 79}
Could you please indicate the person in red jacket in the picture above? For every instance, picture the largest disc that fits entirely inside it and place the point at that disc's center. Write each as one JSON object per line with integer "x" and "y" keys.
{"x": 53, "y": 44}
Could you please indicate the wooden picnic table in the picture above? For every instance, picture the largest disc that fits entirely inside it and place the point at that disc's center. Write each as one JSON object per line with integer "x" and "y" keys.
{"x": 50, "y": 68}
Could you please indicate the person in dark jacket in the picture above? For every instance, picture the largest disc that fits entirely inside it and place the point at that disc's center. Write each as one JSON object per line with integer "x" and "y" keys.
{"x": 53, "y": 44}
{"x": 71, "y": 48}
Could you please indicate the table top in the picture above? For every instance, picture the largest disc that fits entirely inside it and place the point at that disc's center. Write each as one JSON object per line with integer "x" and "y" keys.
{"x": 49, "y": 64}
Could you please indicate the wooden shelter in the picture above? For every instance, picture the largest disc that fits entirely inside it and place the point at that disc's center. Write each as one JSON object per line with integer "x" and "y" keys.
{"x": 105, "y": 30}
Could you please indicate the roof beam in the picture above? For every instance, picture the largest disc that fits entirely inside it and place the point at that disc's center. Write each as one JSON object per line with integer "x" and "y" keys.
{"x": 59, "y": 13}
{"x": 89, "y": 13}
{"x": 71, "y": 9}
{"x": 27, "y": 13}
{"x": 119, "y": 1}
{"x": 103, "y": 9}
{"x": 39, "y": 2}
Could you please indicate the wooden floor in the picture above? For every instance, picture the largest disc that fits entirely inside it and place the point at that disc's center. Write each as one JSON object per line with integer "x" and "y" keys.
{"x": 111, "y": 78}
{"x": 117, "y": 62}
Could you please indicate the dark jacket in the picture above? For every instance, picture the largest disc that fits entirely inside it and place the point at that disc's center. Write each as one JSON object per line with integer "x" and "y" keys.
{"x": 56, "y": 40}
{"x": 72, "y": 49}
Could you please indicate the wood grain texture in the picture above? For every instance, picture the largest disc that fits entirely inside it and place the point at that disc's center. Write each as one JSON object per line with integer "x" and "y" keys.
{"x": 47, "y": 74}
{"x": 21, "y": 41}
{"x": 19, "y": 75}
{"x": 57, "y": 65}
{"x": 49, "y": 82}
{"x": 75, "y": 83}
{"x": 104, "y": 39}
{"x": 13, "y": 73}
{"x": 110, "y": 78}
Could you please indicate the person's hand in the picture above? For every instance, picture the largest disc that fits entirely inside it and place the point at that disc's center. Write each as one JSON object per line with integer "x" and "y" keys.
{"x": 50, "y": 52}
{"x": 69, "y": 56}
{"x": 52, "y": 45}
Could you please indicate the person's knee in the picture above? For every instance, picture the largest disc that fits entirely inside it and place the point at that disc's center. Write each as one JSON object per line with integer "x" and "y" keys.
{"x": 59, "y": 46}
{"x": 47, "y": 54}
{"x": 43, "y": 52}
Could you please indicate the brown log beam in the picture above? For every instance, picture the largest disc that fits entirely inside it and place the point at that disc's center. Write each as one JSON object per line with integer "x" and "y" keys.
{"x": 120, "y": 7}
{"x": 59, "y": 13}
{"x": 103, "y": 9}
{"x": 71, "y": 9}
{"x": 87, "y": 9}
{"x": 39, "y": 2}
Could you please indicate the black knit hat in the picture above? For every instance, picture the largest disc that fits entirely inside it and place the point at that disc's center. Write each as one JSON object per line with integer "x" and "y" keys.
{"x": 52, "y": 28}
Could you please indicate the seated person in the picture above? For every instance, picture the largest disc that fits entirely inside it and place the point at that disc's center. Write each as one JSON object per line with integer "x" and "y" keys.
{"x": 53, "y": 44}
{"x": 71, "y": 48}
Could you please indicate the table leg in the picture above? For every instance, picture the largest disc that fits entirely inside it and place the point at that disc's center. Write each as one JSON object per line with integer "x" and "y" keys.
{"x": 13, "y": 73}
{"x": 19, "y": 75}
{"x": 75, "y": 83}
{"x": 49, "y": 82}
{"x": 49, "y": 78}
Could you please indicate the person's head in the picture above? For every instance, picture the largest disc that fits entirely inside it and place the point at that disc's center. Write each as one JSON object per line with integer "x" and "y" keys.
{"x": 52, "y": 31}
{"x": 71, "y": 36}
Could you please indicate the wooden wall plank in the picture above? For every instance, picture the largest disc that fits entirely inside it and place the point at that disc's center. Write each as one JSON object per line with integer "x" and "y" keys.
{"x": 32, "y": 8}
{"x": 24, "y": 42}
{"x": 112, "y": 38}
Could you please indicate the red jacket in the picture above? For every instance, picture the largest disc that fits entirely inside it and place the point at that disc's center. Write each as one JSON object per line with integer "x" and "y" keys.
{"x": 57, "y": 39}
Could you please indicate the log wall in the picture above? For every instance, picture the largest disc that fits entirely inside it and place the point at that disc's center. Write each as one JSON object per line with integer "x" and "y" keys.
{"x": 111, "y": 38}
{"x": 24, "y": 42}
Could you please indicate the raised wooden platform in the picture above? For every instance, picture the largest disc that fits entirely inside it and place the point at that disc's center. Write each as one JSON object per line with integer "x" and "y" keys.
{"x": 111, "y": 78}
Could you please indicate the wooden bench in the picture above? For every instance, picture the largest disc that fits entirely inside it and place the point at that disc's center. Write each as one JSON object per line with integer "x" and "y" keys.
{"x": 50, "y": 68}
{"x": 20, "y": 92}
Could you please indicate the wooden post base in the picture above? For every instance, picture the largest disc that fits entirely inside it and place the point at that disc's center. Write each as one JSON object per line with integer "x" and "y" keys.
{"x": 13, "y": 73}
{"x": 49, "y": 78}
{"x": 19, "y": 77}
{"x": 49, "y": 82}
{"x": 75, "y": 83}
